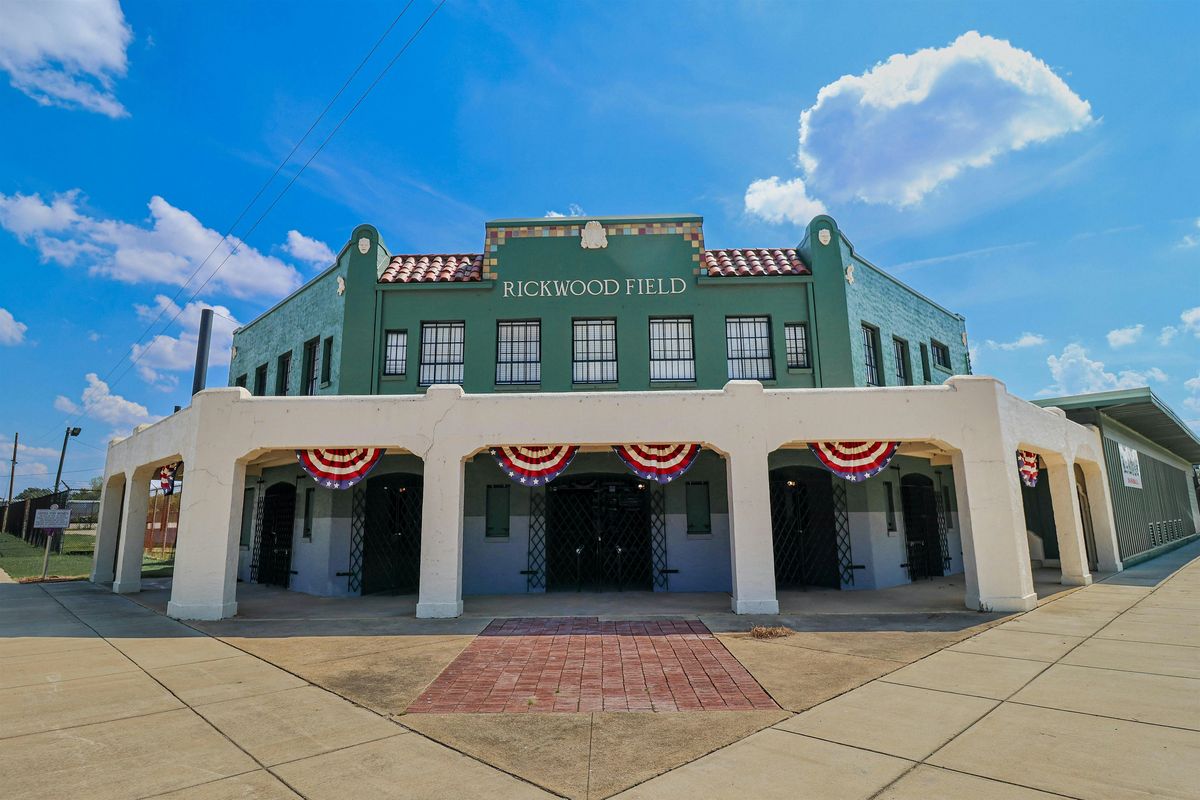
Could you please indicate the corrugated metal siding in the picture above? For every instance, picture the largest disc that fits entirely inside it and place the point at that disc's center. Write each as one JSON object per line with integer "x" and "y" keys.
{"x": 1151, "y": 516}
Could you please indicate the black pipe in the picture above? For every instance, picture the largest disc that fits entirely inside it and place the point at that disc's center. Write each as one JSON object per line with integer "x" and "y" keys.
{"x": 202, "y": 343}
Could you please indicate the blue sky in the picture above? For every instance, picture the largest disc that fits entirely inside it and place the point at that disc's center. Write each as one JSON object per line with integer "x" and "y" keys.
{"x": 1032, "y": 166}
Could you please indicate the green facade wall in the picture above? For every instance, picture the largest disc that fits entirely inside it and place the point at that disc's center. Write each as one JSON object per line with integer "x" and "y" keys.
{"x": 314, "y": 310}
{"x": 649, "y": 274}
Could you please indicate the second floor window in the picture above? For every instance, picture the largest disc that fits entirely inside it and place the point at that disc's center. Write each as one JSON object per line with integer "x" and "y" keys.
{"x": 748, "y": 348}
{"x": 941, "y": 355}
{"x": 519, "y": 351}
{"x": 903, "y": 376}
{"x": 282, "y": 373}
{"x": 311, "y": 366}
{"x": 395, "y": 352}
{"x": 671, "y": 355}
{"x": 260, "y": 380}
{"x": 594, "y": 351}
{"x": 442, "y": 352}
{"x": 796, "y": 334}
{"x": 871, "y": 355}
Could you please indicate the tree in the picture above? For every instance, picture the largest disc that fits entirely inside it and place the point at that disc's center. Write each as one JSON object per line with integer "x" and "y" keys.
{"x": 32, "y": 492}
{"x": 92, "y": 491}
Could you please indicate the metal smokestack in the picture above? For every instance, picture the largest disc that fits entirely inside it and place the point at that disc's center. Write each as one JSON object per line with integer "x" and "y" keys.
{"x": 202, "y": 343}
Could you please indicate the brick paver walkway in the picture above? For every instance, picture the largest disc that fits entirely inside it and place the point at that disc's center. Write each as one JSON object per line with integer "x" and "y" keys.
{"x": 583, "y": 664}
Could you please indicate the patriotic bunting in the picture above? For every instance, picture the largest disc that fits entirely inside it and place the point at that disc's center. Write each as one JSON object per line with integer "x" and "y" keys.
{"x": 657, "y": 462}
{"x": 854, "y": 461}
{"x": 339, "y": 468}
{"x": 1027, "y": 465}
{"x": 534, "y": 465}
{"x": 166, "y": 478}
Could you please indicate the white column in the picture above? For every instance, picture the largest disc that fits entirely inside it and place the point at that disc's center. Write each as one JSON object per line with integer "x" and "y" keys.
{"x": 206, "y": 550}
{"x": 1104, "y": 526}
{"x": 1072, "y": 550}
{"x": 992, "y": 518}
{"x": 134, "y": 508}
{"x": 751, "y": 548}
{"x": 440, "y": 592}
{"x": 108, "y": 529}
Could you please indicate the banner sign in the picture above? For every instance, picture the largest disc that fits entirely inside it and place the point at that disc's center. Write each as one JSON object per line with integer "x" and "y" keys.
{"x": 1027, "y": 465}
{"x": 534, "y": 465}
{"x": 166, "y": 478}
{"x": 658, "y": 462}
{"x": 339, "y": 467}
{"x": 1131, "y": 467}
{"x": 854, "y": 461}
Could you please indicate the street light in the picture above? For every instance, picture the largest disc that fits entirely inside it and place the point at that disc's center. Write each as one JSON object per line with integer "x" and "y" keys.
{"x": 58, "y": 479}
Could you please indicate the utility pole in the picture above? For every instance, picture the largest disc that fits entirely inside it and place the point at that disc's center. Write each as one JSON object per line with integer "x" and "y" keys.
{"x": 12, "y": 473}
{"x": 58, "y": 479}
{"x": 203, "y": 339}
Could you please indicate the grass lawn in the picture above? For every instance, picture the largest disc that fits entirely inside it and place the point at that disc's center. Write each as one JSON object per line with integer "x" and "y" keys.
{"x": 22, "y": 560}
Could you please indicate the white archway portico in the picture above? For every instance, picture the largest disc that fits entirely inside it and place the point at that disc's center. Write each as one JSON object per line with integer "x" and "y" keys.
{"x": 973, "y": 419}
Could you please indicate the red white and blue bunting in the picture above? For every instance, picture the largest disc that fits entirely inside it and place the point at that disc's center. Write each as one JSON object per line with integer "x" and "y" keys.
{"x": 166, "y": 478}
{"x": 339, "y": 467}
{"x": 534, "y": 465}
{"x": 658, "y": 462}
{"x": 1027, "y": 465}
{"x": 854, "y": 461}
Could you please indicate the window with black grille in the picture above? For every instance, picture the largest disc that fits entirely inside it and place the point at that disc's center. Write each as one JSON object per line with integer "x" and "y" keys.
{"x": 748, "y": 348}
{"x": 395, "y": 352}
{"x": 518, "y": 351}
{"x": 442, "y": 352}
{"x": 594, "y": 351}
{"x": 796, "y": 336}
{"x": 326, "y": 360}
{"x": 672, "y": 357}
{"x": 241, "y": 381}
{"x": 903, "y": 372}
{"x": 260, "y": 380}
{"x": 871, "y": 355}
{"x": 941, "y": 354}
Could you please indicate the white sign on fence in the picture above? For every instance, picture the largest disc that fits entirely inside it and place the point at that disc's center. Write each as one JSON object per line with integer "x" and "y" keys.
{"x": 52, "y": 518}
{"x": 1131, "y": 467}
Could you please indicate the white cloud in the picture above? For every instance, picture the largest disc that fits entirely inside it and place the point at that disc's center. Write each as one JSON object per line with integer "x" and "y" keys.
{"x": 11, "y": 331}
{"x": 1190, "y": 240}
{"x": 1123, "y": 337}
{"x": 66, "y": 54}
{"x": 1193, "y": 402}
{"x": 782, "y": 201}
{"x": 1167, "y": 334}
{"x": 308, "y": 250}
{"x": 1026, "y": 339}
{"x": 25, "y": 450}
{"x": 166, "y": 250}
{"x": 1191, "y": 321}
{"x": 573, "y": 210}
{"x": 178, "y": 353}
{"x": 904, "y": 127}
{"x": 1074, "y": 373}
{"x": 101, "y": 404}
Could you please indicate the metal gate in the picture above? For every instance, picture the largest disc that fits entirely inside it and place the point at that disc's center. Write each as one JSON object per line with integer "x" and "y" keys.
{"x": 272, "y": 562}
{"x": 598, "y": 531}
{"x": 804, "y": 528}
{"x": 923, "y": 527}
{"x": 391, "y": 541}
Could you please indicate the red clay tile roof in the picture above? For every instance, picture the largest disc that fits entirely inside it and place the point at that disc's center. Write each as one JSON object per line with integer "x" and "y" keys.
{"x": 742, "y": 262}
{"x": 434, "y": 268}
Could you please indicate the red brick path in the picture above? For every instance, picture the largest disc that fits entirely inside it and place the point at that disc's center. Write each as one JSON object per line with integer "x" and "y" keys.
{"x": 582, "y": 664}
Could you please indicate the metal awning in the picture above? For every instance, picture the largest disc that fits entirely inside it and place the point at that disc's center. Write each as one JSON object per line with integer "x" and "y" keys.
{"x": 1141, "y": 411}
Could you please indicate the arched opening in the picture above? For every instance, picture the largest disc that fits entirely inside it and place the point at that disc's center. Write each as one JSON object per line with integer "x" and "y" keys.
{"x": 1085, "y": 516}
{"x": 391, "y": 549}
{"x": 598, "y": 533}
{"x": 804, "y": 528}
{"x": 923, "y": 527}
{"x": 273, "y": 560}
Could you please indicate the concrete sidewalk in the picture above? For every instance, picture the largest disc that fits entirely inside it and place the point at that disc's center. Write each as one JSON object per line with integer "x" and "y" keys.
{"x": 1095, "y": 694}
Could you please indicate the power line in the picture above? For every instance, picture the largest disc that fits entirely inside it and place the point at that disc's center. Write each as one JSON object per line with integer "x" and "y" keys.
{"x": 133, "y": 361}
{"x": 229, "y": 231}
